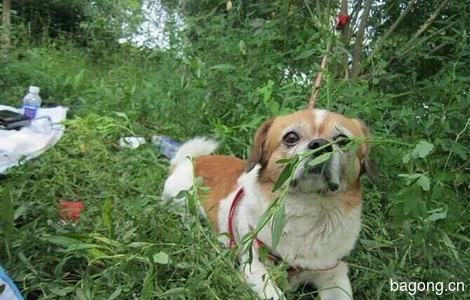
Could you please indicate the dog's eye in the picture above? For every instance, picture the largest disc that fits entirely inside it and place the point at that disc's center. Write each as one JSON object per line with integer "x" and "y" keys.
{"x": 291, "y": 138}
{"x": 342, "y": 140}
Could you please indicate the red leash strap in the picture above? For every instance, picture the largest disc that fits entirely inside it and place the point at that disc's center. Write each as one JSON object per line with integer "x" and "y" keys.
{"x": 231, "y": 213}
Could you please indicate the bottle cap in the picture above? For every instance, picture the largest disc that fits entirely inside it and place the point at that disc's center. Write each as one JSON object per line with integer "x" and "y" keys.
{"x": 34, "y": 89}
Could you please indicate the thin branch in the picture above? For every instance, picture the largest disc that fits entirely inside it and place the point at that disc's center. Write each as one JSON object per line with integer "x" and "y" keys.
{"x": 409, "y": 47}
{"x": 437, "y": 48}
{"x": 394, "y": 26}
{"x": 455, "y": 141}
{"x": 309, "y": 10}
{"x": 316, "y": 83}
{"x": 357, "y": 50}
{"x": 425, "y": 25}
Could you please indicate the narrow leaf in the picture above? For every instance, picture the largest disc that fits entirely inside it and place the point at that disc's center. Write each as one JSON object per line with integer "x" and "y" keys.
{"x": 320, "y": 159}
{"x": 106, "y": 216}
{"x": 285, "y": 174}
{"x": 437, "y": 216}
{"x": 279, "y": 219}
{"x": 460, "y": 150}
{"x": 305, "y": 54}
{"x": 224, "y": 67}
{"x": 115, "y": 294}
{"x": 59, "y": 240}
{"x": 448, "y": 242}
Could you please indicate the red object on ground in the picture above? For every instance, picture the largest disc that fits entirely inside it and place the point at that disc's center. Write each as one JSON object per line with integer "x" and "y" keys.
{"x": 340, "y": 20}
{"x": 70, "y": 210}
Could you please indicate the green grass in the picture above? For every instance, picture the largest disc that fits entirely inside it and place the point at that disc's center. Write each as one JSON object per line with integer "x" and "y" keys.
{"x": 128, "y": 244}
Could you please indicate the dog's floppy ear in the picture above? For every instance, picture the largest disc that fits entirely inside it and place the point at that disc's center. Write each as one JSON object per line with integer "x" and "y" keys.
{"x": 367, "y": 165}
{"x": 258, "y": 149}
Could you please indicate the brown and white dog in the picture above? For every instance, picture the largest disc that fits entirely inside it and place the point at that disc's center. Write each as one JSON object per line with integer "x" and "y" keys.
{"x": 323, "y": 203}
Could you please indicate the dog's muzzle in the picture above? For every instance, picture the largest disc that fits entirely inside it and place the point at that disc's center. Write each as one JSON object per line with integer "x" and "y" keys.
{"x": 323, "y": 177}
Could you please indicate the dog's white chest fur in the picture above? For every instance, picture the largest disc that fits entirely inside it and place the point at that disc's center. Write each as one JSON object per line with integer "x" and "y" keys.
{"x": 316, "y": 234}
{"x": 317, "y": 231}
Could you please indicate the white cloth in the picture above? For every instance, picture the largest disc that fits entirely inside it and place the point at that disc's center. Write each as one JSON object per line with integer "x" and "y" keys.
{"x": 31, "y": 141}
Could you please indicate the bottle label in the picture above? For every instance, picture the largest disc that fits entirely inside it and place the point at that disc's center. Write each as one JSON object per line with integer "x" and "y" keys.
{"x": 165, "y": 145}
{"x": 30, "y": 111}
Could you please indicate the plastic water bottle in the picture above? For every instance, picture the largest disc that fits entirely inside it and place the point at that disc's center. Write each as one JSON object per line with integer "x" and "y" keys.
{"x": 31, "y": 102}
{"x": 165, "y": 145}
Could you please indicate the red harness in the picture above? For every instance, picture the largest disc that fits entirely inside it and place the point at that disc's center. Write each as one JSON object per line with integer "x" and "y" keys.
{"x": 257, "y": 242}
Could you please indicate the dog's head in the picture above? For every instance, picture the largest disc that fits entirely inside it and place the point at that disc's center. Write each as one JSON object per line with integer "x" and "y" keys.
{"x": 306, "y": 131}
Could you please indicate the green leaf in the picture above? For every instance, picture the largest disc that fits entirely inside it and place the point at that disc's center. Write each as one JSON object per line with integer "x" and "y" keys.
{"x": 352, "y": 150}
{"x": 437, "y": 215}
{"x": 460, "y": 150}
{"x": 60, "y": 240}
{"x": 461, "y": 237}
{"x": 80, "y": 294}
{"x": 424, "y": 182}
{"x": 82, "y": 246}
{"x": 106, "y": 216}
{"x": 115, "y": 294}
{"x": 224, "y": 67}
{"x": 161, "y": 258}
{"x": 278, "y": 222}
{"x": 285, "y": 174}
{"x": 422, "y": 149}
{"x": 406, "y": 158}
{"x": 305, "y": 54}
{"x": 450, "y": 245}
{"x": 410, "y": 196}
{"x": 139, "y": 244}
{"x": 61, "y": 291}
{"x": 242, "y": 47}
{"x": 320, "y": 159}
{"x": 263, "y": 252}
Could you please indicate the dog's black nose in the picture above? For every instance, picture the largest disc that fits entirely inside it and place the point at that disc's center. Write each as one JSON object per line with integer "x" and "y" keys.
{"x": 317, "y": 143}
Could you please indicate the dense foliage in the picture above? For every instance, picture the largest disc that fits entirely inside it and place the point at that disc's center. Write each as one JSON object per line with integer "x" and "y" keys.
{"x": 221, "y": 73}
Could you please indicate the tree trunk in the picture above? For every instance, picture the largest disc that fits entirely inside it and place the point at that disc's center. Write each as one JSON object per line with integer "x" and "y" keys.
{"x": 5, "y": 27}
{"x": 358, "y": 44}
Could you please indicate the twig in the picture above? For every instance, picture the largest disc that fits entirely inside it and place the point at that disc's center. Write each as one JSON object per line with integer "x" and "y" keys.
{"x": 408, "y": 46}
{"x": 391, "y": 30}
{"x": 455, "y": 141}
{"x": 316, "y": 84}
{"x": 411, "y": 43}
{"x": 309, "y": 10}
{"x": 428, "y": 22}
{"x": 437, "y": 48}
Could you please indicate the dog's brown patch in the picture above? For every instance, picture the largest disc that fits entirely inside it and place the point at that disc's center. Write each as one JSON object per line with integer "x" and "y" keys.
{"x": 219, "y": 173}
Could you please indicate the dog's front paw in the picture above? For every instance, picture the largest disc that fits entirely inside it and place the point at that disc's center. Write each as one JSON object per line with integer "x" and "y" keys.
{"x": 258, "y": 278}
